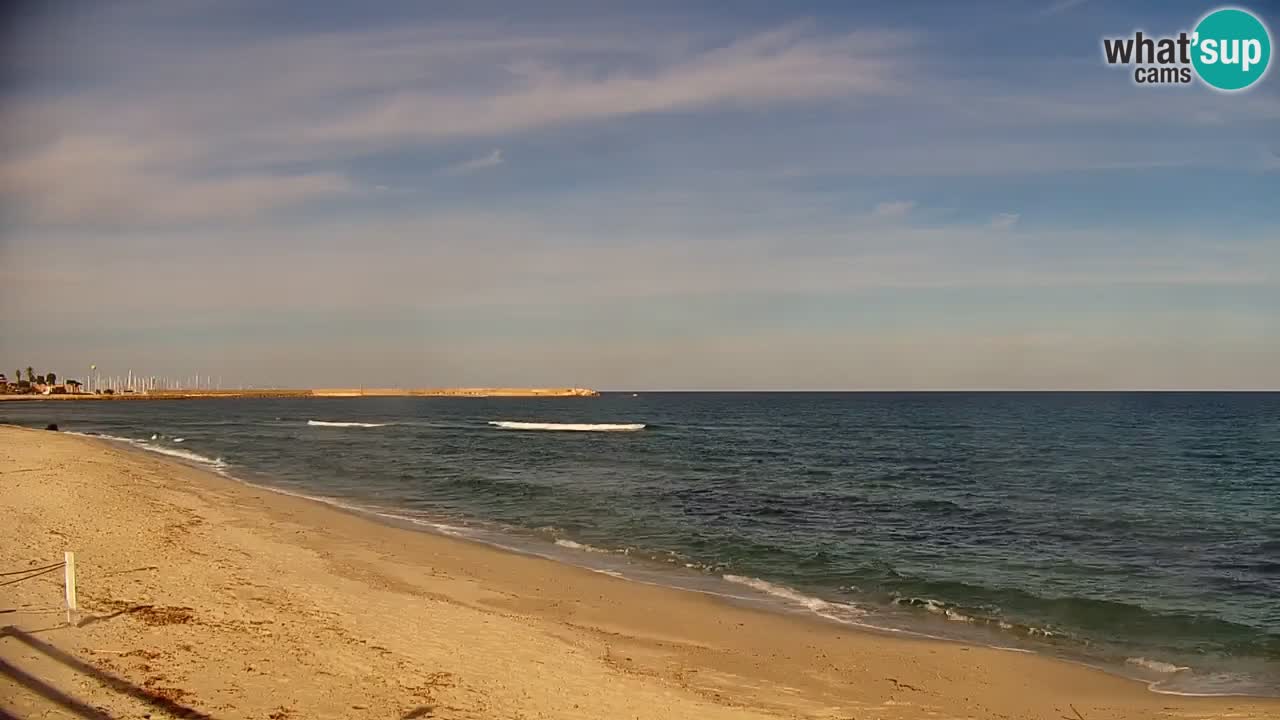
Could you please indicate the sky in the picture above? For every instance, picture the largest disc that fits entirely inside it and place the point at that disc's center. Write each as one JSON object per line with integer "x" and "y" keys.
{"x": 756, "y": 195}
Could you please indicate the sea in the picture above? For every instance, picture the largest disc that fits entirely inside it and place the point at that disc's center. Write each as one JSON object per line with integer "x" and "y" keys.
{"x": 1134, "y": 532}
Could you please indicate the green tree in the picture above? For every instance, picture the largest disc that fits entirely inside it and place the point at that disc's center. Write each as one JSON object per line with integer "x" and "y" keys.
{"x": 53, "y": 378}
{"x": 31, "y": 374}
{"x": 40, "y": 380}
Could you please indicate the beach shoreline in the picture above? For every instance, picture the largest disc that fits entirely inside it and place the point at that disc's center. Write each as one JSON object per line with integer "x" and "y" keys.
{"x": 355, "y": 617}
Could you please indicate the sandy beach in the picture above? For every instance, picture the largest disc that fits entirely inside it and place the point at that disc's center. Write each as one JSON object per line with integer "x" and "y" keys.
{"x": 204, "y": 597}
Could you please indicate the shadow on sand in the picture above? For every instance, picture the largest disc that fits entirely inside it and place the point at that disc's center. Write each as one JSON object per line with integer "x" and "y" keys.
{"x": 72, "y": 705}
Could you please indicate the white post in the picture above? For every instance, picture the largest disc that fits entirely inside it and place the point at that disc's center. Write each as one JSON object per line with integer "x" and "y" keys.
{"x": 70, "y": 575}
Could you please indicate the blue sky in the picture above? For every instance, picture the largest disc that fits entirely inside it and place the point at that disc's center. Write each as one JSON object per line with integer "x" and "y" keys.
{"x": 666, "y": 195}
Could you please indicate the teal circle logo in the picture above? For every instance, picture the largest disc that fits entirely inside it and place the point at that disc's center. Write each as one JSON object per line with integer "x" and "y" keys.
{"x": 1232, "y": 49}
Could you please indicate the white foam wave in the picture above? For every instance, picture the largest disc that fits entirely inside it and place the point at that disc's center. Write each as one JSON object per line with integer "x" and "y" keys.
{"x": 578, "y": 546}
{"x": 839, "y": 612}
{"x": 159, "y": 449}
{"x": 334, "y": 423}
{"x": 937, "y": 607}
{"x": 1155, "y": 665}
{"x": 442, "y": 528}
{"x": 185, "y": 455}
{"x": 578, "y": 427}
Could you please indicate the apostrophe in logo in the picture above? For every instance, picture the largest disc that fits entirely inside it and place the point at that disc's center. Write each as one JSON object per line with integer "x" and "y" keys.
{"x": 1229, "y": 50}
{"x": 1232, "y": 49}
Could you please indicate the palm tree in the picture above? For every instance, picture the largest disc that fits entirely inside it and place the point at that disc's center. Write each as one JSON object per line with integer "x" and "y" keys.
{"x": 31, "y": 374}
{"x": 52, "y": 378}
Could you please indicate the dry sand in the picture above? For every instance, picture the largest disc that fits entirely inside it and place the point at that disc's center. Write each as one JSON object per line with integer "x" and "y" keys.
{"x": 203, "y": 597}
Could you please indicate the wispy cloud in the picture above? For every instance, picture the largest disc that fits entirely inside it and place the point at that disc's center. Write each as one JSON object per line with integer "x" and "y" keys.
{"x": 786, "y": 65}
{"x": 1271, "y": 159}
{"x": 894, "y": 210}
{"x": 490, "y": 159}
{"x": 492, "y": 258}
{"x": 345, "y": 95}
{"x": 1004, "y": 221}
{"x": 86, "y": 179}
{"x": 1062, "y": 6}
{"x": 185, "y": 153}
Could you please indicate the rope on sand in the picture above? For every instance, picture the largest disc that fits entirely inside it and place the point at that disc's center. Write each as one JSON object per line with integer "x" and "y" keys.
{"x": 33, "y": 572}
{"x": 21, "y": 572}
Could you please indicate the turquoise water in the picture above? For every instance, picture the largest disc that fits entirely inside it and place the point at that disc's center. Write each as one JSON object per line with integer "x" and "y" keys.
{"x": 1138, "y": 532}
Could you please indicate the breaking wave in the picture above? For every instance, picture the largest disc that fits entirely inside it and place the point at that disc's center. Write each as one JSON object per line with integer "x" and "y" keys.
{"x": 334, "y": 423}
{"x": 578, "y": 546}
{"x": 953, "y": 613}
{"x": 184, "y": 454}
{"x": 1155, "y": 665}
{"x": 840, "y": 612}
{"x": 159, "y": 449}
{"x": 579, "y": 427}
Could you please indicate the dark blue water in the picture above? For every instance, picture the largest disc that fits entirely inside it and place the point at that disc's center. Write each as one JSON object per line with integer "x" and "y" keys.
{"x": 1139, "y": 532}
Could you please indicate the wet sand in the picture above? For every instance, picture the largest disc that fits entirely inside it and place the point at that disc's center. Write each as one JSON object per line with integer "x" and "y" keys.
{"x": 204, "y": 597}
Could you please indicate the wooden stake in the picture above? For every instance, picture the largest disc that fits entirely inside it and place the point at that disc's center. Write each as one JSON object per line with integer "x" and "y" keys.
{"x": 70, "y": 568}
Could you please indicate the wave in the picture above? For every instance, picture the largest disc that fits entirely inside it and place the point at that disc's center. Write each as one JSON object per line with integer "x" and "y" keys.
{"x": 666, "y": 557}
{"x": 578, "y": 546}
{"x": 184, "y": 454}
{"x": 334, "y": 423}
{"x": 159, "y": 449}
{"x": 579, "y": 427}
{"x": 840, "y": 612}
{"x": 951, "y": 612}
{"x": 439, "y": 527}
{"x": 1155, "y": 665}
{"x": 937, "y": 607}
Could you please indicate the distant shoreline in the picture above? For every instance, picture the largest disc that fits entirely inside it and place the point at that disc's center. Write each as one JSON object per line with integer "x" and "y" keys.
{"x": 321, "y": 392}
